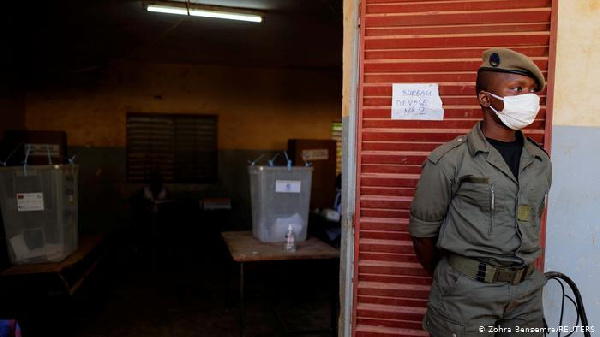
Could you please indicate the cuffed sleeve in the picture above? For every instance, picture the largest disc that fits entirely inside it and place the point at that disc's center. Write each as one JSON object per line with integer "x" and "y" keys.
{"x": 423, "y": 229}
{"x": 432, "y": 198}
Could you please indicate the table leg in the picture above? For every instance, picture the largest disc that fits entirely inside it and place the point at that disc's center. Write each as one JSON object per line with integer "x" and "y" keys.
{"x": 227, "y": 281}
{"x": 241, "y": 318}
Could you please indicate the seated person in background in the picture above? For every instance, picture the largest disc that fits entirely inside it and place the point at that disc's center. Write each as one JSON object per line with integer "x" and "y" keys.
{"x": 151, "y": 219}
{"x": 155, "y": 193}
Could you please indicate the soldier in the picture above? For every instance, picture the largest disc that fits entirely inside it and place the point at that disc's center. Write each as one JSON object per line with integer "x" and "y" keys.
{"x": 475, "y": 218}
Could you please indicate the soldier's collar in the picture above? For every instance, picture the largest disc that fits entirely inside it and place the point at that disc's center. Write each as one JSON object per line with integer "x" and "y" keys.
{"x": 477, "y": 143}
{"x": 533, "y": 148}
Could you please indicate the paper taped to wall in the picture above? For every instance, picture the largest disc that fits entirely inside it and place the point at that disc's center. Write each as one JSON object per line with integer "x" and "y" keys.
{"x": 316, "y": 154}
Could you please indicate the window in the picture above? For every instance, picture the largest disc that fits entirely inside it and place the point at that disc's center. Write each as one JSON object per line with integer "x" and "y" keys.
{"x": 183, "y": 148}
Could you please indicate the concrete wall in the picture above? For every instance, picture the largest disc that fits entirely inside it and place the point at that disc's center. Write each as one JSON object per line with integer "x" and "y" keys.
{"x": 259, "y": 109}
{"x": 12, "y": 108}
{"x": 12, "y": 104}
{"x": 573, "y": 224}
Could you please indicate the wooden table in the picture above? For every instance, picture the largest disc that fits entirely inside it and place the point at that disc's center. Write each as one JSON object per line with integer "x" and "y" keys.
{"x": 243, "y": 247}
{"x": 70, "y": 272}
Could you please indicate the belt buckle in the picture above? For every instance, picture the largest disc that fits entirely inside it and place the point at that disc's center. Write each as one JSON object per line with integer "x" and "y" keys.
{"x": 519, "y": 275}
{"x": 501, "y": 275}
{"x": 481, "y": 272}
{"x": 509, "y": 275}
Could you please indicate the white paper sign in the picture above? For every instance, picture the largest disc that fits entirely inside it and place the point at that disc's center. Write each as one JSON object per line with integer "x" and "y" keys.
{"x": 419, "y": 101}
{"x": 28, "y": 202}
{"x": 287, "y": 186}
{"x": 317, "y": 154}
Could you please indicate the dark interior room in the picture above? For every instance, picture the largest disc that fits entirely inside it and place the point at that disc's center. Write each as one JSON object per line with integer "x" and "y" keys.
{"x": 142, "y": 123}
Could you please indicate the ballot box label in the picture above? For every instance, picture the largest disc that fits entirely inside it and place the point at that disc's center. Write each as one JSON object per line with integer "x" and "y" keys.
{"x": 30, "y": 202}
{"x": 287, "y": 186}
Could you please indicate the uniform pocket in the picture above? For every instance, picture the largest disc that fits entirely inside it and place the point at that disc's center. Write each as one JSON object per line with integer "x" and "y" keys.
{"x": 529, "y": 212}
{"x": 446, "y": 279}
{"x": 440, "y": 326}
{"x": 533, "y": 202}
{"x": 477, "y": 197}
{"x": 475, "y": 191}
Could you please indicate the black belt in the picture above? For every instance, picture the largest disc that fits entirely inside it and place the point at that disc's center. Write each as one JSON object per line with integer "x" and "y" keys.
{"x": 487, "y": 273}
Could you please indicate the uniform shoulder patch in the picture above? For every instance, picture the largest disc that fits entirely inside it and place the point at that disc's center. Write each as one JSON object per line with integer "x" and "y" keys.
{"x": 440, "y": 151}
{"x": 538, "y": 146}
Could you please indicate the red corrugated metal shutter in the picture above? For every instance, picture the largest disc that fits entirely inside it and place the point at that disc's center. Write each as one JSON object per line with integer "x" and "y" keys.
{"x": 420, "y": 41}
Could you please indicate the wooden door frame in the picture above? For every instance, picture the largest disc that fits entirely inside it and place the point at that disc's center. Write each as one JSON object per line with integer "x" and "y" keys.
{"x": 549, "y": 113}
{"x": 350, "y": 146}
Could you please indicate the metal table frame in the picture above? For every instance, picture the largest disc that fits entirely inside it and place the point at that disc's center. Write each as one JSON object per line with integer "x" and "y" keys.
{"x": 243, "y": 248}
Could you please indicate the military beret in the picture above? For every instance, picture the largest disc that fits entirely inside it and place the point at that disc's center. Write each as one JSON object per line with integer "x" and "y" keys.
{"x": 509, "y": 61}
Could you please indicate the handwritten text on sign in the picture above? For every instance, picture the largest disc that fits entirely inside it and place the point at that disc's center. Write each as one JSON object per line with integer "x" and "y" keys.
{"x": 416, "y": 101}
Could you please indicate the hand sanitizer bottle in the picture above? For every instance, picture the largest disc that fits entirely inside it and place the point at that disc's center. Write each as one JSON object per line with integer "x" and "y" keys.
{"x": 290, "y": 243}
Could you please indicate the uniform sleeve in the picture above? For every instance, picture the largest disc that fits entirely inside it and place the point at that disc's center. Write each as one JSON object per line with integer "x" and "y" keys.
{"x": 549, "y": 180}
{"x": 432, "y": 198}
{"x": 549, "y": 174}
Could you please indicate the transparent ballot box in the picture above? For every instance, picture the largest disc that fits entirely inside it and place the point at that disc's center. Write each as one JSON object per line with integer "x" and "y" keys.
{"x": 280, "y": 197}
{"x": 39, "y": 210}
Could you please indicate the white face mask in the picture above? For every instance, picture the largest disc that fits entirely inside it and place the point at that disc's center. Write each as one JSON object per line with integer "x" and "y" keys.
{"x": 519, "y": 111}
